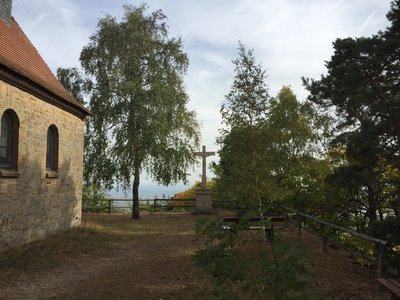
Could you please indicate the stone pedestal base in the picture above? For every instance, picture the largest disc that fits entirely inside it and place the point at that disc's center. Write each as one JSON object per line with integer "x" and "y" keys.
{"x": 203, "y": 201}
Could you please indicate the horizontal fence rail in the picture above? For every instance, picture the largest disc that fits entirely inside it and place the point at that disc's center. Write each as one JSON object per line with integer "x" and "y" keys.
{"x": 353, "y": 232}
{"x": 381, "y": 244}
{"x": 110, "y": 204}
{"x": 156, "y": 203}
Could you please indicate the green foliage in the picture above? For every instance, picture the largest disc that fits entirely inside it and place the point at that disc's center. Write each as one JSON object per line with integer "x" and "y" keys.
{"x": 93, "y": 197}
{"x": 243, "y": 113}
{"x": 74, "y": 82}
{"x": 295, "y": 135}
{"x": 140, "y": 121}
{"x": 247, "y": 100}
{"x": 78, "y": 86}
{"x": 361, "y": 85}
{"x": 389, "y": 230}
{"x": 268, "y": 149}
{"x": 241, "y": 267}
{"x": 289, "y": 274}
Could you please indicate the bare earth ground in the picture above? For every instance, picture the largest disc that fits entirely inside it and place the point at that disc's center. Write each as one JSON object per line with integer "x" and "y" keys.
{"x": 151, "y": 259}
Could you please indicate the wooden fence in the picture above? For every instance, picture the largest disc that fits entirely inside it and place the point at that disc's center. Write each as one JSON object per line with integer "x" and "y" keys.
{"x": 301, "y": 222}
{"x": 111, "y": 204}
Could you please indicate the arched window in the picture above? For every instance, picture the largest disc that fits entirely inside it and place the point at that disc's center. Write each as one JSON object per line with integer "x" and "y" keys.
{"x": 9, "y": 140}
{"x": 52, "y": 149}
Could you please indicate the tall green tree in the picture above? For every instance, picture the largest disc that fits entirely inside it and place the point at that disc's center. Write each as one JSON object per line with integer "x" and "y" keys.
{"x": 244, "y": 113}
{"x": 362, "y": 85}
{"x": 269, "y": 145}
{"x": 247, "y": 101}
{"x": 140, "y": 120}
{"x": 295, "y": 135}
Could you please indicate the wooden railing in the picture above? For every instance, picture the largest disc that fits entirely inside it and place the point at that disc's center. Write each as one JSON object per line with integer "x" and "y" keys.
{"x": 154, "y": 204}
{"x": 301, "y": 218}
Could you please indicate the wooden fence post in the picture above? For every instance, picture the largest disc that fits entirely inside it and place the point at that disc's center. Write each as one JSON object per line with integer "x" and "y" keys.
{"x": 381, "y": 260}
{"x": 155, "y": 204}
{"x": 325, "y": 242}
{"x": 286, "y": 217}
{"x": 298, "y": 225}
{"x": 324, "y": 239}
{"x": 381, "y": 245}
{"x": 109, "y": 206}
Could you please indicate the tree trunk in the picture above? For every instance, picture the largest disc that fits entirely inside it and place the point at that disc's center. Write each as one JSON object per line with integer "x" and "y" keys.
{"x": 135, "y": 194}
{"x": 395, "y": 206}
{"x": 371, "y": 205}
{"x": 380, "y": 212}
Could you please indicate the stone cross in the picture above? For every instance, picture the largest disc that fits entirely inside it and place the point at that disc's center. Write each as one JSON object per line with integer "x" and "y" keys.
{"x": 204, "y": 155}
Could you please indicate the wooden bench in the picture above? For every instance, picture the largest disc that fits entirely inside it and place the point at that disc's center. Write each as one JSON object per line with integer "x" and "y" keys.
{"x": 253, "y": 220}
{"x": 392, "y": 285}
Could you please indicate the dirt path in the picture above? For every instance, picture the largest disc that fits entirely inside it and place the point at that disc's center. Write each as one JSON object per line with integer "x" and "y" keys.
{"x": 152, "y": 260}
{"x": 143, "y": 266}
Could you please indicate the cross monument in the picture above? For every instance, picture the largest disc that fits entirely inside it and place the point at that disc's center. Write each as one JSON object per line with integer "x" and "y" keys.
{"x": 204, "y": 195}
{"x": 204, "y": 155}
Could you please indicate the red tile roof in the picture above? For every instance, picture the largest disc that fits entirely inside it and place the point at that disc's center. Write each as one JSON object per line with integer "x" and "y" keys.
{"x": 18, "y": 54}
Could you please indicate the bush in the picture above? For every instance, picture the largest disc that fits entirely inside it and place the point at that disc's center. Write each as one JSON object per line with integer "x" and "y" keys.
{"x": 93, "y": 199}
{"x": 243, "y": 266}
{"x": 389, "y": 230}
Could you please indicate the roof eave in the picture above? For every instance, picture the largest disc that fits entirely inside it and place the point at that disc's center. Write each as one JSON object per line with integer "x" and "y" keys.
{"x": 14, "y": 78}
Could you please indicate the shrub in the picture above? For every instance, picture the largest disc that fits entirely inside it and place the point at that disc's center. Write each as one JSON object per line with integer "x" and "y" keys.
{"x": 389, "y": 230}
{"x": 244, "y": 266}
{"x": 93, "y": 197}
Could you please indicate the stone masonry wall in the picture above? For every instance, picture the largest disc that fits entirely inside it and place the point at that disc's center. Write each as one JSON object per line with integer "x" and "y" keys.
{"x": 33, "y": 206}
{"x": 5, "y": 10}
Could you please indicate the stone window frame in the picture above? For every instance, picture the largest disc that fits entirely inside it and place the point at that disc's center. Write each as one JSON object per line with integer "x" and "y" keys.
{"x": 10, "y": 170}
{"x": 52, "y": 142}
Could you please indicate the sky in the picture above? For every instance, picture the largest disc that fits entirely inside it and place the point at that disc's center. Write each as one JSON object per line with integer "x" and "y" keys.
{"x": 290, "y": 39}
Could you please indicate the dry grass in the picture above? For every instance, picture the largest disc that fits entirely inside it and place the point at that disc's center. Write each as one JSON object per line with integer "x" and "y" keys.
{"x": 109, "y": 256}
{"x": 48, "y": 253}
{"x": 115, "y": 257}
{"x": 98, "y": 234}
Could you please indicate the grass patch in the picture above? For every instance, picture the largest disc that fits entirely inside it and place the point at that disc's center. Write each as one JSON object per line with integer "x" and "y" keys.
{"x": 98, "y": 236}
{"x": 124, "y": 227}
{"x": 54, "y": 251}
